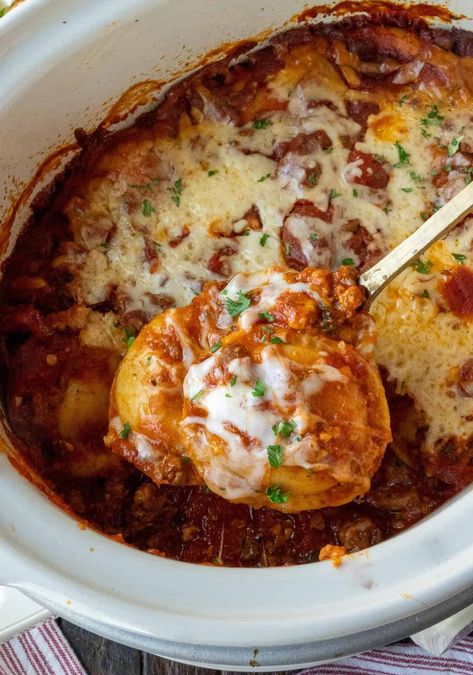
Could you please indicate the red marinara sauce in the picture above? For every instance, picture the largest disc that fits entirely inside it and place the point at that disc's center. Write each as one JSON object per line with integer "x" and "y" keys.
{"x": 458, "y": 292}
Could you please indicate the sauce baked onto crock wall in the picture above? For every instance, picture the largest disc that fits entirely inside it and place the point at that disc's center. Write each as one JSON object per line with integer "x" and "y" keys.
{"x": 327, "y": 146}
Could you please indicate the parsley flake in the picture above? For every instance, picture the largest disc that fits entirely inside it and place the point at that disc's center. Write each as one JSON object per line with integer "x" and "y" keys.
{"x": 176, "y": 191}
{"x": 276, "y": 495}
{"x": 233, "y": 381}
{"x": 263, "y": 178}
{"x": 468, "y": 175}
{"x": 147, "y": 208}
{"x": 215, "y": 347}
{"x": 348, "y": 261}
{"x": 262, "y": 123}
{"x": 312, "y": 179}
{"x": 406, "y": 189}
{"x": 267, "y": 315}
{"x": 259, "y": 389}
{"x": 126, "y": 431}
{"x": 355, "y": 193}
{"x": 404, "y": 156}
{"x": 423, "y": 266}
{"x": 236, "y": 307}
{"x": 144, "y": 186}
{"x": 415, "y": 177}
{"x": 275, "y": 340}
{"x": 212, "y": 172}
{"x": 460, "y": 257}
{"x": 454, "y": 145}
{"x": 287, "y": 248}
{"x": 433, "y": 117}
{"x": 425, "y": 293}
{"x": 274, "y": 455}
{"x": 263, "y": 239}
{"x": 130, "y": 337}
{"x": 403, "y": 99}
{"x": 313, "y": 236}
{"x": 284, "y": 428}
{"x": 198, "y": 395}
{"x": 334, "y": 194}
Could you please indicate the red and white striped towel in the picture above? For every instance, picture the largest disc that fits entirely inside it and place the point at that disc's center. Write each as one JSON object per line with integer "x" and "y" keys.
{"x": 403, "y": 659}
{"x": 40, "y": 651}
{"x": 45, "y": 651}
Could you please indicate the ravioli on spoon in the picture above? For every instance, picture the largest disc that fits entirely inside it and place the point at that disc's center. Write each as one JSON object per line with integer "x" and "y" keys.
{"x": 264, "y": 389}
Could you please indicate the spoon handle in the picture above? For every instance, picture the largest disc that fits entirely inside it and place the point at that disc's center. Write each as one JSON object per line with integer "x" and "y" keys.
{"x": 381, "y": 274}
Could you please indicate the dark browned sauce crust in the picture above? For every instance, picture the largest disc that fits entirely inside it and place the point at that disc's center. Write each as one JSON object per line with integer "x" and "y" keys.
{"x": 42, "y": 353}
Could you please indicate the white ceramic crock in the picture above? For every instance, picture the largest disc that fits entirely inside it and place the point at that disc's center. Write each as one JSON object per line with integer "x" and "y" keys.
{"x": 62, "y": 63}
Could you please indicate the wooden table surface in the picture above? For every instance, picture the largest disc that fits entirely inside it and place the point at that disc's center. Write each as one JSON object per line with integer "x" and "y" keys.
{"x": 103, "y": 657}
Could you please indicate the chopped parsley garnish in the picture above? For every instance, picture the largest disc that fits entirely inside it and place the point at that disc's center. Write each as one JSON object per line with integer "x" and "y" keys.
{"x": 227, "y": 395}
{"x": 259, "y": 389}
{"x": 425, "y": 133}
{"x": 425, "y": 293}
{"x": 454, "y": 145}
{"x": 176, "y": 192}
{"x": 287, "y": 248}
{"x": 212, "y": 172}
{"x": 460, "y": 257}
{"x": 406, "y": 189}
{"x": 313, "y": 236}
{"x": 404, "y": 156}
{"x": 334, "y": 194}
{"x": 447, "y": 168}
{"x": 233, "y": 381}
{"x": 3, "y": 11}
{"x": 185, "y": 459}
{"x": 423, "y": 266}
{"x": 246, "y": 232}
{"x": 149, "y": 359}
{"x": 130, "y": 337}
{"x": 263, "y": 239}
{"x": 284, "y": 428}
{"x": 263, "y": 178}
{"x": 403, "y": 99}
{"x": 126, "y": 431}
{"x": 274, "y": 455}
{"x": 144, "y": 186}
{"x": 387, "y": 209}
{"x": 215, "y": 347}
{"x": 199, "y": 394}
{"x": 236, "y": 307}
{"x": 267, "y": 315}
{"x": 262, "y": 123}
{"x": 312, "y": 179}
{"x": 348, "y": 261}
{"x": 147, "y": 208}
{"x": 276, "y": 495}
{"x": 105, "y": 245}
{"x": 379, "y": 158}
{"x": 468, "y": 175}
{"x": 275, "y": 340}
{"x": 415, "y": 177}
{"x": 433, "y": 118}
{"x": 355, "y": 192}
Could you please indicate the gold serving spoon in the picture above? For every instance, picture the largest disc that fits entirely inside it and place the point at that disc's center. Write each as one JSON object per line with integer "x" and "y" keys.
{"x": 437, "y": 226}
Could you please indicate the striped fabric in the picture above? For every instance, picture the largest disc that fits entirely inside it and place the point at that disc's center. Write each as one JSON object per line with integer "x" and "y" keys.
{"x": 40, "y": 651}
{"x": 403, "y": 659}
{"x": 45, "y": 651}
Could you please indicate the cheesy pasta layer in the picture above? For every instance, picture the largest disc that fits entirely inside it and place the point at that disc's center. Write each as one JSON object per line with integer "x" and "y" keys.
{"x": 327, "y": 146}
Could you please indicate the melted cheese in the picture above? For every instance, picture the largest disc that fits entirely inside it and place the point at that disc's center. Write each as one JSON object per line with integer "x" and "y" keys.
{"x": 234, "y": 412}
{"x": 225, "y": 171}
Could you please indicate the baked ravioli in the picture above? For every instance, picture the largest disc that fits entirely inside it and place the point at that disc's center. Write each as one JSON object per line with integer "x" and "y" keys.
{"x": 265, "y": 391}
{"x": 325, "y": 146}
